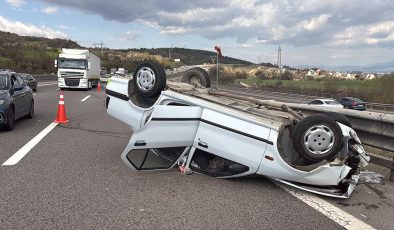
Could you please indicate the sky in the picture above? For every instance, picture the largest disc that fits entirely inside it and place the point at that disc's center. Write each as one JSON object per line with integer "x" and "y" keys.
{"x": 310, "y": 32}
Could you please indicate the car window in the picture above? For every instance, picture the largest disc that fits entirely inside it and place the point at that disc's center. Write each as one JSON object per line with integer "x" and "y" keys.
{"x": 316, "y": 102}
{"x": 357, "y": 100}
{"x": 16, "y": 81}
{"x": 149, "y": 159}
{"x": 19, "y": 80}
{"x": 4, "y": 83}
{"x": 332, "y": 103}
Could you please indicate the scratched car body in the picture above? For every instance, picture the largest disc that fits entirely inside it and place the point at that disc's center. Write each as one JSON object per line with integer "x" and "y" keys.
{"x": 197, "y": 133}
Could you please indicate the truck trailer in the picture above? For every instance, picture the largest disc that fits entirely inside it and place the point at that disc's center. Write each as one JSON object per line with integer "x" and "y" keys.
{"x": 78, "y": 68}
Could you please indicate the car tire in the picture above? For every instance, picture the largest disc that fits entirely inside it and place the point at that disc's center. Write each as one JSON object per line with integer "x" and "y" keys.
{"x": 317, "y": 138}
{"x": 197, "y": 75}
{"x": 149, "y": 79}
{"x": 340, "y": 118}
{"x": 10, "y": 119}
{"x": 30, "y": 115}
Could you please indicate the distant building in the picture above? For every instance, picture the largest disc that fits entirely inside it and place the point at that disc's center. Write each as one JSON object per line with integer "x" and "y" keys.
{"x": 370, "y": 76}
{"x": 337, "y": 75}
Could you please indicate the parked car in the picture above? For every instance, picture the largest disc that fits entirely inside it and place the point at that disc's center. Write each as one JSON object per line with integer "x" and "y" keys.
{"x": 30, "y": 81}
{"x": 352, "y": 103}
{"x": 326, "y": 102}
{"x": 177, "y": 125}
{"x": 16, "y": 100}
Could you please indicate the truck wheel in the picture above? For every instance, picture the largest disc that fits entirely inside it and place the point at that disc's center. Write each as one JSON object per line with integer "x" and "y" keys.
{"x": 317, "y": 138}
{"x": 149, "y": 79}
{"x": 340, "y": 118}
{"x": 197, "y": 75}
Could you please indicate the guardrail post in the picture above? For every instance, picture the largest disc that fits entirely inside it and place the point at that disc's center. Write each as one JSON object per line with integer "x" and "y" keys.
{"x": 391, "y": 176}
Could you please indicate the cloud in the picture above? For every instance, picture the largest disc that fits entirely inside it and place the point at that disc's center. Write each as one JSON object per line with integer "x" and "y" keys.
{"x": 50, "y": 10}
{"x": 130, "y": 36}
{"x": 16, "y": 3}
{"x": 296, "y": 22}
{"x": 29, "y": 29}
{"x": 65, "y": 27}
{"x": 377, "y": 34}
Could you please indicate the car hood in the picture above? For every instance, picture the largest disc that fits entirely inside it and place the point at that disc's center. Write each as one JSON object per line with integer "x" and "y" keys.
{"x": 3, "y": 94}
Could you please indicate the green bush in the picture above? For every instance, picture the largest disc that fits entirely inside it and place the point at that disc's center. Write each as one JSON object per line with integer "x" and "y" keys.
{"x": 261, "y": 75}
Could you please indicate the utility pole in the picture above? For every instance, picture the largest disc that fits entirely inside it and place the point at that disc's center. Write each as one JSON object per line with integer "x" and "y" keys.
{"x": 170, "y": 50}
{"x": 279, "y": 57}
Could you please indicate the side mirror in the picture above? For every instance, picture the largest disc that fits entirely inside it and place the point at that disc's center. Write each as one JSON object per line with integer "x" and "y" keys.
{"x": 88, "y": 64}
{"x": 55, "y": 63}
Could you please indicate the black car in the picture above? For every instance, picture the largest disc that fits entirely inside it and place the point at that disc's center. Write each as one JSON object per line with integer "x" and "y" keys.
{"x": 352, "y": 103}
{"x": 16, "y": 100}
{"x": 30, "y": 81}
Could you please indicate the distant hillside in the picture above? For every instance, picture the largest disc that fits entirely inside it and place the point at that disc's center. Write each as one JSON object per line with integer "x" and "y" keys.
{"x": 30, "y": 54}
{"x": 36, "y": 55}
{"x": 191, "y": 56}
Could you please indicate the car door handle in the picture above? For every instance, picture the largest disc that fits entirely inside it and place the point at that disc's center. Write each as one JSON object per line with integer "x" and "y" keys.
{"x": 203, "y": 144}
{"x": 140, "y": 143}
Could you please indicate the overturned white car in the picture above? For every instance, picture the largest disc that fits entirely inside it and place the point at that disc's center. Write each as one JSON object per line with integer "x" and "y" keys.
{"x": 209, "y": 132}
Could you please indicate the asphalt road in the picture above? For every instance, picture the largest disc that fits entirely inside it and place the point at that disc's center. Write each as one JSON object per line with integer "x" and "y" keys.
{"x": 74, "y": 179}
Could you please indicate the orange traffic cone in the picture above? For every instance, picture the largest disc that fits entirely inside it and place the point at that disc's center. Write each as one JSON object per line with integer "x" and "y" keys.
{"x": 99, "y": 87}
{"x": 61, "y": 111}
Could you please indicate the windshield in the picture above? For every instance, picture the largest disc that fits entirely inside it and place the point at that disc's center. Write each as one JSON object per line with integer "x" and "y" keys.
{"x": 4, "y": 82}
{"x": 72, "y": 64}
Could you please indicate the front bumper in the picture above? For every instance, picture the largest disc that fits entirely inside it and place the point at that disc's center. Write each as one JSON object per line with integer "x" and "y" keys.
{"x": 73, "y": 83}
{"x": 343, "y": 190}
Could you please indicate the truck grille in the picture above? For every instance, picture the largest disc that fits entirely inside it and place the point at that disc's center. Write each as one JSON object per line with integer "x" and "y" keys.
{"x": 71, "y": 74}
{"x": 71, "y": 81}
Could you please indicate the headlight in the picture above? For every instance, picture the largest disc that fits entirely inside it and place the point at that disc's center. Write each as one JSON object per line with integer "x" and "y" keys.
{"x": 2, "y": 102}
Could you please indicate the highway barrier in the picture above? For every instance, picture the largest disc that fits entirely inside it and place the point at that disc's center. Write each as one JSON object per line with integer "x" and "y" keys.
{"x": 45, "y": 77}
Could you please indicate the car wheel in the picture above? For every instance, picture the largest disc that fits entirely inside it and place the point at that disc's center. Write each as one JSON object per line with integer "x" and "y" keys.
{"x": 149, "y": 79}
{"x": 340, "y": 118}
{"x": 10, "y": 119}
{"x": 30, "y": 115}
{"x": 197, "y": 75}
{"x": 317, "y": 138}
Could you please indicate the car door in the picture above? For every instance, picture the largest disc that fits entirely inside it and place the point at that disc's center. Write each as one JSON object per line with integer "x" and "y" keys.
{"x": 167, "y": 135}
{"x": 17, "y": 96}
{"x": 236, "y": 144}
{"x": 25, "y": 94}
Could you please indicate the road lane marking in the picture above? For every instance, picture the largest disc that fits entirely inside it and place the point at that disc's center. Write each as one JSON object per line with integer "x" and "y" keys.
{"x": 336, "y": 214}
{"x": 85, "y": 98}
{"x": 14, "y": 159}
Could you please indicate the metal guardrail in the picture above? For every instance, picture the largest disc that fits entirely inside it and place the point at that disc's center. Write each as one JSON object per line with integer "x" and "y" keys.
{"x": 306, "y": 96}
{"x": 374, "y": 129}
{"x": 45, "y": 77}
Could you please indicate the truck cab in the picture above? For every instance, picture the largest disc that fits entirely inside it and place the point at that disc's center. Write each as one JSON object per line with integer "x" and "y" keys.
{"x": 77, "y": 68}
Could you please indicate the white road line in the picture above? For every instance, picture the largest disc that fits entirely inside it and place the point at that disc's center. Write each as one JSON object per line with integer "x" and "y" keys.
{"x": 14, "y": 159}
{"x": 339, "y": 216}
{"x": 85, "y": 98}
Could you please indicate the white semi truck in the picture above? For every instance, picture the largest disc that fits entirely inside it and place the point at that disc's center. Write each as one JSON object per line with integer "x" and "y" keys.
{"x": 78, "y": 68}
